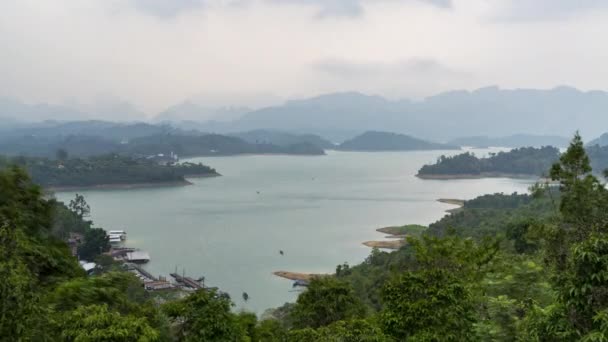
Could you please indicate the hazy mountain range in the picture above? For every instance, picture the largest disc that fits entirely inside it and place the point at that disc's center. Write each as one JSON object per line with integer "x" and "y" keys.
{"x": 602, "y": 140}
{"x": 516, "y": 140}
{"x": 188, "y": 111}
{"x": 490, "y": 111}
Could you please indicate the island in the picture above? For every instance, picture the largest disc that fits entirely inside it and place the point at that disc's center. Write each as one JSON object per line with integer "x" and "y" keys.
{"x": 386, "y": 141}
{"x": 106, "y": 171}
{"x": 521, "y": 162}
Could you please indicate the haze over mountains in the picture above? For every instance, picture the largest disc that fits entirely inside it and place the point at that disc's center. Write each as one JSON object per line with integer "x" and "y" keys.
{"x": 602, "y": 140}
{"x": 487, "y": 111}
{"x": 490, "y": 111}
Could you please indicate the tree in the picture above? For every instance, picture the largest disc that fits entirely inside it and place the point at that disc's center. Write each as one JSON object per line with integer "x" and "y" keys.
{"x": 18, "y": 302}
{"x": 61, "y": 155}
{"x": 583, "y": 197}
{"x": 576, "y": 247}
{"x": 357, "y": 330}
{"x": 31, "y": 260}
{"x": 204, "y": 316}
{"x": 80, "y": 206}
{"x": 66, "y": 221}
{"x": 428, "y": 305}
{"x": 271, "y": 330}
{"x": 247, "y": 322}
{"x": 326, "y": 300}
{"x": 96, "y": 242}
{"x": 96, "y": 323}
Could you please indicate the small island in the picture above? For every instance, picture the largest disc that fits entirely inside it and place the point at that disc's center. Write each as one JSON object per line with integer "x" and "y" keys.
{"x": 373, "y": 141}
{"x": 107, "y": 171}
{"x": 523, "y": 162}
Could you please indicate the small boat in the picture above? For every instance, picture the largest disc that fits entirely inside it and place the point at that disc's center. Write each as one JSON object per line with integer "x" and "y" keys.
{"x": 121, "y": 233}
{"x": 114, "y": 239}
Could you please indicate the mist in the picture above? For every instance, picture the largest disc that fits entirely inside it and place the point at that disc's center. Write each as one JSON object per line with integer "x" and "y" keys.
{"x": 142, "y": 57}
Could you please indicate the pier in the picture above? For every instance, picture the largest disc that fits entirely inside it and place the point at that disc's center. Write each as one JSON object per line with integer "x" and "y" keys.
{"x": 142, "y": 272}
{"x": 187, "y": 281}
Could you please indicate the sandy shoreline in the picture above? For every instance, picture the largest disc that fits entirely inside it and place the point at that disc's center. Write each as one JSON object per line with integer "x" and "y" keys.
{"x": 452, "y": 201}
{"x": 476, "y": 176}
{"x": 297, "y": 276}
{"x": 387, "y": 244}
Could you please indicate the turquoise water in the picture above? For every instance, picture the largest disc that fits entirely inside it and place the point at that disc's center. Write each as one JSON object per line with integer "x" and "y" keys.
{"x": 318, "y": 210}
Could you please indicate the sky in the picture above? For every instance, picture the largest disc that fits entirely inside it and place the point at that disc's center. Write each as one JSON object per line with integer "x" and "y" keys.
{"x": 156, "y": 53}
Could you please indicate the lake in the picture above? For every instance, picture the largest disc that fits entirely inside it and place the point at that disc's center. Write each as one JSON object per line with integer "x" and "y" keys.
{"x": 318, "y": 210}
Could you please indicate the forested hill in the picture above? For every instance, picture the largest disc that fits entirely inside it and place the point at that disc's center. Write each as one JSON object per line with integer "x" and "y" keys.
{"x": 262, "y": 136}
{"x": 386, "y": 141}
{"x": 105, "y": 170}
{"x": 522, "y": 161}
{"x": 181, "y": 144}
{"x": 213, "y": 145}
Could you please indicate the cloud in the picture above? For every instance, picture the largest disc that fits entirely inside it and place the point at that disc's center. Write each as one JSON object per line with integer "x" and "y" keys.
{"x": 167, "y": 8}
{"x": 172, "y": 8}
{"x": 157, "y": 53}
{"x": 415, "y": 76}
{"x": 413, "y": 66}
{"x": 326, "y": 8}
{"x": 538, "y": 10}
{"x": 353, "y": 8}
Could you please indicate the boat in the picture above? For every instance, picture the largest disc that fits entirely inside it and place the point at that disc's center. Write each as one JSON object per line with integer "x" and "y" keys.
{"x": 121, "y": 233}
{"x": 114, "y": 239}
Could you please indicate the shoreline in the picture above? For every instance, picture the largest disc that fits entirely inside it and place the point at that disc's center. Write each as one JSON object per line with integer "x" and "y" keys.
{"x": 459, "y": 203}
{"x": 118, "y": 186}
{"x": 386, "y": 244}
{"x": 298, "y": 276}
{"x": 452, "y": 201}
{"x": 125, "y": 186}
{"x": 476, "y": 176}
{"x": 209, "y": 175}
{"x": 394, "y": 240}
{"x": 186, "y": 157}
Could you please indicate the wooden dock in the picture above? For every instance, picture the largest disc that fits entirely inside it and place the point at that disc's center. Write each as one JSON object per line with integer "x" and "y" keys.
{"x": 143, "y": 272}
{"x": 187, "y": 281}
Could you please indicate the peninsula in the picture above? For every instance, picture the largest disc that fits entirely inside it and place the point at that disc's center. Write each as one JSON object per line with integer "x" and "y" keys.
{"x": 522, "y": 162}
{"x": 107, "y": 171}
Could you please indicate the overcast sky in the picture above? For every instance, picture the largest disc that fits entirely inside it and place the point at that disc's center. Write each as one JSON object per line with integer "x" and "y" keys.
{"x": 155, "y": 53}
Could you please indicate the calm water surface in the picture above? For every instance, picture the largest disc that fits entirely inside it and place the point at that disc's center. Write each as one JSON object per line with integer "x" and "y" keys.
{"x": 318, "y": 210}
